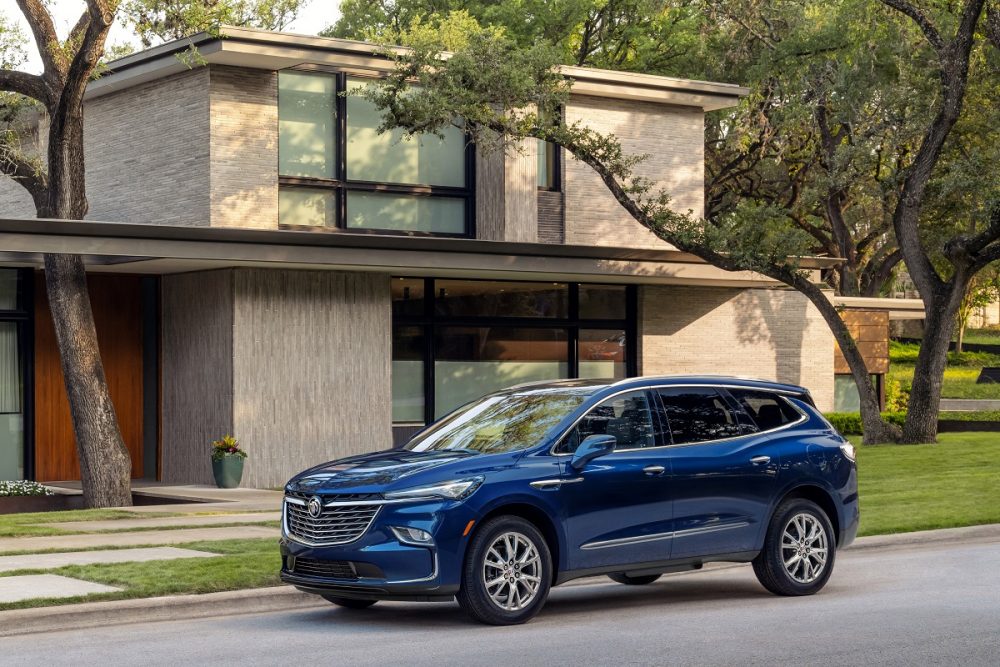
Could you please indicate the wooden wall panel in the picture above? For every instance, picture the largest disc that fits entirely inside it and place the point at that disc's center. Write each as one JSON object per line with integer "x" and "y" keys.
{"x": 117, "y": 305}
{"x": 870, "y": 329}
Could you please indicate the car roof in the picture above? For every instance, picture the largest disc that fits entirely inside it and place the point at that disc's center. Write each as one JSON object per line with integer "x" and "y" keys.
{"x": 594, "y": 386}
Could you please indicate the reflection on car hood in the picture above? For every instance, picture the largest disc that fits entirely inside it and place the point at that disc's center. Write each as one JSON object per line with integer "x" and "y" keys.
{"x": 371, "y": 470}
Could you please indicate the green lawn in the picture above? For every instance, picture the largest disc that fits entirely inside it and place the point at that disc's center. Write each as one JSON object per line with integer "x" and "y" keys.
{"x": 959, "y": 377}
{"x": 982, "y": 336}
{"x": 245, "y": 564}
{"x": 921, "y": 487}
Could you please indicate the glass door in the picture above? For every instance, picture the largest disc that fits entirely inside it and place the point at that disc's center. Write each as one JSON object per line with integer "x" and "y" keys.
{"x": 12, "y": 321}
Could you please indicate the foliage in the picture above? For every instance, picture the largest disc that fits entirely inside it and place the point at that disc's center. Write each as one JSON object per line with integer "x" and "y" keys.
{"x": 906, "y": 353}
{"x": 897, "y": 397}
{"x": 23, "y": 488}
{"x": 849, "y": 423}
{"x": 227, "y": 446}
{"x": 970, "y": 416}
{"x": 983, "y": 289}
{"x": 954, "y": 483}
{"x": 164, "y": 20}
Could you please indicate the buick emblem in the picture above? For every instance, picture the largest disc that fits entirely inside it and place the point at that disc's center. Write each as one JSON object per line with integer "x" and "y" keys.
{"x": 315, "y": 507}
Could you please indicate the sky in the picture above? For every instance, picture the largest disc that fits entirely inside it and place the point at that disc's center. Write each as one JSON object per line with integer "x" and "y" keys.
{"x": 316, "y": 15}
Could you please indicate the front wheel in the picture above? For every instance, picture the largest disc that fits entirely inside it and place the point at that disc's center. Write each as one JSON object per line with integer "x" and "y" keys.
{"x": 507, "y": 572}
{"x": 643, "y": 580}
{"x": 349, "y": 603}
{"x": 799, "y": 550}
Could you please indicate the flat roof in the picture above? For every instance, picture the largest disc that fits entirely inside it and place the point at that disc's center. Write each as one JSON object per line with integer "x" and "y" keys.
{"x": 162, "y": 249}
{"x": 263, "y": 49}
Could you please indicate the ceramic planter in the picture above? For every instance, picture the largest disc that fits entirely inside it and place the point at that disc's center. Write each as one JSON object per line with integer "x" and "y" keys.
{"x": 228, "y": 471}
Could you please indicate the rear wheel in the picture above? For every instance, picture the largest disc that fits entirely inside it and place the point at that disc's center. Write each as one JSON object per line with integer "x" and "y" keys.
{"x": 349, "y": 603}
{"x": 799, "y": 549}
{"x": 623, "y": 578}
{"x": 507, "y": 572}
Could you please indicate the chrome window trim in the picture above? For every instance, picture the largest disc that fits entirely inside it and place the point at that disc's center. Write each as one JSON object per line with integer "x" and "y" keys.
{"x": 550, "y": 483}
{"x": 347, "y": 503}
{"x": 784, "y": 394}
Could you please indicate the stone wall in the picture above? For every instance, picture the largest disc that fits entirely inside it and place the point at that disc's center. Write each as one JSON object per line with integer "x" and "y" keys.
{"x": 767, "y": 334}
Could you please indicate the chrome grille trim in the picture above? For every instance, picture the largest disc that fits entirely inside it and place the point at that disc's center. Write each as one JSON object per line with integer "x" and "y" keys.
{"x": 341, "y": 524}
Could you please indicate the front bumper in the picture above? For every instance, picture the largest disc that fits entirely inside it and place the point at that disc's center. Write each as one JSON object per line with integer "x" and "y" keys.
{"x": 377, "y": 565}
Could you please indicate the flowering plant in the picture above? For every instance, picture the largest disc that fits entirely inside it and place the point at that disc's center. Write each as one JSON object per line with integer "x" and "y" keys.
{"x": 23, "y": 488}
{"x": 228, "y": 446}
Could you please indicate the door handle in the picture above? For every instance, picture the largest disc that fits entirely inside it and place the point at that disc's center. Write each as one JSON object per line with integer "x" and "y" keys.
{"x": 760, "y": 460}
{"x": 654, "y": 470}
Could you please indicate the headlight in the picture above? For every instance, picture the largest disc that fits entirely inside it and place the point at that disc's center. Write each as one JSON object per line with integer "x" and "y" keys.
{"x": 457, "y": 490}
{"x": 848, "y": 450}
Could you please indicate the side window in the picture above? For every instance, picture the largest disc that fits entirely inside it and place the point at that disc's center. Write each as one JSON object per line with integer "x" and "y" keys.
{"x": 698, "y": 414}
{"x": 628, "y": 417}
{"x": 767, "y": 410}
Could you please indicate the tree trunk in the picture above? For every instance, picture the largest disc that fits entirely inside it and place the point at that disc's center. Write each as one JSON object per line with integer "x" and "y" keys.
{"x": 105, "y": 465}
{"x": 928, "y": 376}
{"x": 962, "y": 322}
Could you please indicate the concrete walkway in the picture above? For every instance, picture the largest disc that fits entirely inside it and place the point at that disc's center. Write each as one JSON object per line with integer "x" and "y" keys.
{"x": 16, "y": 589}
{"x": 165, "y": 522}
{"x": 199, "y": 498}
{"x": 52, "y": 561}
{"x": 133, "y": 539}
{"x": 969, "y": 404}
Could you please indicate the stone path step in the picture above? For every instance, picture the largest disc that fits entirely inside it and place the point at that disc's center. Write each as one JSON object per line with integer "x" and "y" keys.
{"x": 165, "y": 522}
{"x": 966, "y": 404}
{"x": 51, "y": 561}
{"x": 31, "y": 586}
{"x": 134, "y": 539}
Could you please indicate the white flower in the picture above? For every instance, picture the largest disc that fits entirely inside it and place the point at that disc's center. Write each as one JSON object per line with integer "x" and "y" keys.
{"x": 23, "y": 488}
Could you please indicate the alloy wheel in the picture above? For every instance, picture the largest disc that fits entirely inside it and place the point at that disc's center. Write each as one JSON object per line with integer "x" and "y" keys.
{"x": 804, "y": 548}
{"x": 512, "y": 571}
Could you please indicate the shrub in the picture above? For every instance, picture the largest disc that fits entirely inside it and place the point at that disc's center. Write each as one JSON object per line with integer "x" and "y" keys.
{"x": 897, "y": 396}
{"x": 23, "y": 488}
{"x": 849, "y": 423}
{"x": 228, "y": 446}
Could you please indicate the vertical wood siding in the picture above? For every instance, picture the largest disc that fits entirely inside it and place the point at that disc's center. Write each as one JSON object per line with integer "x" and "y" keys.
{"x": 197, "y": 372}
{"x": 312, "y": 354}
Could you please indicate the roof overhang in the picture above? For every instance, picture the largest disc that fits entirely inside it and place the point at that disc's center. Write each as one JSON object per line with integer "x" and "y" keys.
{"x": 899, "y": 309}
{"x": 262, "y": 49}
{"x": 109, "y": 247}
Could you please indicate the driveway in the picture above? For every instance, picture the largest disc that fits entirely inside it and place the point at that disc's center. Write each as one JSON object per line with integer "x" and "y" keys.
{"x": 932, "y": 604}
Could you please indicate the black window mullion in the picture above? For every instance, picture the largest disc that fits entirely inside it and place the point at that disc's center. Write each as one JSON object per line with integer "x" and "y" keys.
{"x": 341, "y": 143}
{"x": 631, "y": 331}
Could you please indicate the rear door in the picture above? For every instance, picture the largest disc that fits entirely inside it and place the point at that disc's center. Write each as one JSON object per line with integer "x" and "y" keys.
{"x": 723, "y": 472}
{"x": 619, "y": 510}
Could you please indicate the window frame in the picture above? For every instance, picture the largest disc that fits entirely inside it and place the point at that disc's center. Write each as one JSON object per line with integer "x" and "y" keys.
{"x": 340, "y": 186}
{"x": 430, "y": 322}
{"x": 660, "y": 433}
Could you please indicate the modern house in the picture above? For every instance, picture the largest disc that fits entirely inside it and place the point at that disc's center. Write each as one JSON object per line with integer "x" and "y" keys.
{"x": 263, "y": 263}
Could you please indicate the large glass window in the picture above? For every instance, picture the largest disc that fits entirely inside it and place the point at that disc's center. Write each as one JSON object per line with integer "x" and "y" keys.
{"x": 12, "y": 321}
{"x": 336, "y": 171}
{"x": 548, "y": 166}
{"x": 473, "y": 337}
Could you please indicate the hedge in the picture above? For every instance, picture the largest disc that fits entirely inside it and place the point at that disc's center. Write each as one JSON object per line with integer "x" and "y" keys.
{"x": 849, "y": 423}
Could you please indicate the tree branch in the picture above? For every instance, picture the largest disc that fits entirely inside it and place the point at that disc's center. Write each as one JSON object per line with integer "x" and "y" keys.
{"x": 46, "y": 40}
{"x": 25, "y": 173}
{"x": 29, "y": 85}
{"x": 993, "y": 24}
{"x": 921, "y": 19}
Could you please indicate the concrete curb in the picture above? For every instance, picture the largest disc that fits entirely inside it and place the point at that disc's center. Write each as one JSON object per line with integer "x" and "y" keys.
{"x": 146, "y": 610}
{"x": 286, "y": 598}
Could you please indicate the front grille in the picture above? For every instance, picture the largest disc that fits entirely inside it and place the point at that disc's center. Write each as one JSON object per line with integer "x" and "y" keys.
{"x": 334, "y": 525}
{"x": 331, "y": 569}
{"x": 338, "y": 497}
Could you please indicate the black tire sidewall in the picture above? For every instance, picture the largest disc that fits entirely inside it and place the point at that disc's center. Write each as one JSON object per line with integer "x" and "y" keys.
{"x": 473, "y": 596}
{"x": 643, "y": 580}
{"x": 772, "y": 556}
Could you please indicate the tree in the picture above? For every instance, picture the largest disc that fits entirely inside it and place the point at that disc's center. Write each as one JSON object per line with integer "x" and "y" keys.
{"x": 983, "y": 290}
{"x": 163, "y": 20}
{"x": 56, "y": 185}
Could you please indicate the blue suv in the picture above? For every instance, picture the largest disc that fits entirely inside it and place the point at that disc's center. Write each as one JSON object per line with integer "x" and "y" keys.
{"x": 534, "y": 486}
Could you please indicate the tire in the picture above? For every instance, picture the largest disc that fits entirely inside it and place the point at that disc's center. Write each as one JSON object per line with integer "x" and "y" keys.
{"x": 497, "y": 603}
{"x": 643, "y": 580}
{"x": 349, "y": 603}
{"x": 797, "y": 518}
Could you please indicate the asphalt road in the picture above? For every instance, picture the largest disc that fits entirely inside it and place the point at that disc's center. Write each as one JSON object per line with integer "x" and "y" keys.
{"x": 896, "y": 606}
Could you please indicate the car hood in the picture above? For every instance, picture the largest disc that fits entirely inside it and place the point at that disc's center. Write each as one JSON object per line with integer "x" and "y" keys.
{"x": 375, "y": 472}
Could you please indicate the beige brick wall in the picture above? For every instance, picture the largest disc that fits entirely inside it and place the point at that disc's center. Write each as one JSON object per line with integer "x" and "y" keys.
{"x": 672, "y": 137}
{"x": 244, "y": 148}
{"x": 767, "y": 334}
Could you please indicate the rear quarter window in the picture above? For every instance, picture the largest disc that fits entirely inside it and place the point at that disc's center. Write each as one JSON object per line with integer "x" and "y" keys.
{"x": 767, "y": 410}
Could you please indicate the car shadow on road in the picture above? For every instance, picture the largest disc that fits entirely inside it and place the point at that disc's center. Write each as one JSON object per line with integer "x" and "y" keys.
{"x": 670, "y": 593}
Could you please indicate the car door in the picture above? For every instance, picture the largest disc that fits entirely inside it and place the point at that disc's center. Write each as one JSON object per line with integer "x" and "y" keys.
{"x": 617, "y": 510}
{"x": 723, "y": 472}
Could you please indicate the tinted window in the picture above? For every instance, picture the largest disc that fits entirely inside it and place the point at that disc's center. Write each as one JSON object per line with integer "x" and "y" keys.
{"x": 765, "y": 409}
{"x": 627, "y": 417}
{"x": 697, "y": 414}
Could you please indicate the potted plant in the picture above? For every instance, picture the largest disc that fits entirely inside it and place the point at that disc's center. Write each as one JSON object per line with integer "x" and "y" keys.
{"x": 227, "y": 462}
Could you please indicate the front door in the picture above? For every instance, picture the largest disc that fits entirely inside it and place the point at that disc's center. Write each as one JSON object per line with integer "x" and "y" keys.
{"x": 722, "y": 473}
{"x": 619, "y": 512}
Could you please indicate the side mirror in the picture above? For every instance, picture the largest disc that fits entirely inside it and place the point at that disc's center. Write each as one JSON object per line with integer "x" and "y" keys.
{"x": 592, "y": 447}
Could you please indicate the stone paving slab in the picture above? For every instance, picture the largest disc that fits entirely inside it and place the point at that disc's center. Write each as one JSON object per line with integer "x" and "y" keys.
{"x": 134, "y": 539}
{"x": 969, "y": 404}
{"x": 31, "y": 586}
{"x": 50, "y": 561}
{"x": 165, "y": 522}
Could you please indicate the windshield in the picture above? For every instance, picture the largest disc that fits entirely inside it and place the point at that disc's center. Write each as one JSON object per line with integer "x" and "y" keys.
{"x": 500, "y": 422}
